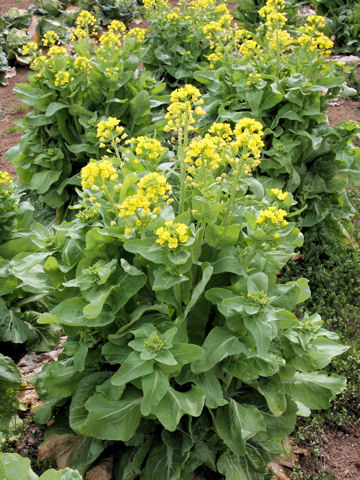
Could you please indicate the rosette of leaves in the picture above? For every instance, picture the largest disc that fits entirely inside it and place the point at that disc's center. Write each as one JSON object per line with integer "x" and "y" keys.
{"x": 181, "y": 344}
{"x": 13, "y": 466}
{"x": 123, "y": 10}
{"x": 52, "y": 8}
{"x": 60, "y": 131}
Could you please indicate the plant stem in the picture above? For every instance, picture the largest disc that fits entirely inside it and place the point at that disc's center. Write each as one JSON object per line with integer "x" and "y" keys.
{"x": 177, "y": 294}
{"x": 233, "y": 193}
{"x": 181, "y": 157}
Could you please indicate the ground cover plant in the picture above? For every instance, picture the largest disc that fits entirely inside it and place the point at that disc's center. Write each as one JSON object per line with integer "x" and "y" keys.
{"x": 181, "y": 342}
{"x": 69, "y": 93}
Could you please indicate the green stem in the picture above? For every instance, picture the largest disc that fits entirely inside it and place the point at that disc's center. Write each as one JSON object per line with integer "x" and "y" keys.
{"x": 181, "y": 157}
{"x": 199, "y": 241}
{"x": 178, "y": 299}
{"x": 233, "y": 193}
{"x": 113, "y": 144}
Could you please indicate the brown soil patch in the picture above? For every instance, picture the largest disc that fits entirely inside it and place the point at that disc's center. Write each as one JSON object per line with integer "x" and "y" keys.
{"x": 338, "y": 452}
{"x": 342, "y": 109}
{"x": 6, "y": 4}
{"x": 8, "y": 100}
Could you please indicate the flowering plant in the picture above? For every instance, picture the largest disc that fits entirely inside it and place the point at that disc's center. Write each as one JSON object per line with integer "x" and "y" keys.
{"x": 181, "y": 345}
{"x": 286, "y": 83}
{"x": 178, "y": 39}
{"x": 69, "y": 93}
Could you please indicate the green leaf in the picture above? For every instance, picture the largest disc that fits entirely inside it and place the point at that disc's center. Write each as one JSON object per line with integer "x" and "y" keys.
{"x": 237, "y": 423}
{"x": 313, "y": 390}
{"x": 155, "y": 385}
{"x": 200, "y": 287}
{"x": 9, "y": 373}
{"x": 85, "y": 389}
{"x": 218, "y": 236}
{"x": 164, "y": 281}
{"x": 273, "y": 390}
{"x": 14, "y": 466}
{"x": 176, "y": 404}
{"x": 148, "y": 249}
{"x": 112, "y": 419}
{"x": 186, "y": 353}
{"x": 235, "y": 468}
{"x": 54, "y": 107}
{"x": 42, "y": 181}
{"x": 163, "y": 463}
{"x": 219, "y": 344}
{"x": 210, "y": 385}
{"x": 132, "y": 368}
{"x": 12, "y": 328}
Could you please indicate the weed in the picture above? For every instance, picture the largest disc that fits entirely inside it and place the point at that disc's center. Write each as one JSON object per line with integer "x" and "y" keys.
{"x": 14, "y": 129}
{"x": 20, "y": 108}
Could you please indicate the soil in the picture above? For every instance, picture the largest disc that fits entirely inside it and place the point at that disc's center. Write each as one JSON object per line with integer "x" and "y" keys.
{"x": 336, "y": 450}
{"x": 6, "y": 4}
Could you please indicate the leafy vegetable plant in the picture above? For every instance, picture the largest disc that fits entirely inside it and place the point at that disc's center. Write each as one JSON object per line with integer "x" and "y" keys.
{"x": 181, "y": 346}
{"x": 285, "y": 82}
{"x": 69, "y": 94}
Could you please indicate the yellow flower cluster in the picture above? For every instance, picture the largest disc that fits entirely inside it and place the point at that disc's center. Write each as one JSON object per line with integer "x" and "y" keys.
{"x": 149, "y": 189}
{"x": 138, "y": 33}
{"x": 272, "y": 12}
{"x": 221, "y": 27}
{"x": 97, "y": 171}
{"x": 62, "y": 78}
{"x": 248, "y": 133}
{"x": 56, "y": 51}
{"x": 82, "y": 64}
{"x": 150, "y": 147}
{"x": 30, "y": 49}
{"x": 279, "y": 39}
{"x": 116, "y": 27}
{"x": 5, "y": 179}
{"x": 204, "y": 152}
{"x": 253, "y": 79}
{"x": 50, "y": 38}
{"x": 172, "y": 233}
{"x": 202, "y": 4}
{"x": 153, "y": 185}
{"x": 222, "y": 130}
{"x": 86, "y": 21}
{"x": 274, "y": 214}
{"x": 280, "y": 194}
{"x": 173, "y": 17}
{"x": 250, "y": 48}
{"x": 155, "y": 4}
{"x": 110, "y": 41}
{"x": 109, "y": 131}
{"x": 319, "y": 42}
{"x": 185, "y": 102}
{"x": 214, "y": 57}
{"x": 316, "y": 20}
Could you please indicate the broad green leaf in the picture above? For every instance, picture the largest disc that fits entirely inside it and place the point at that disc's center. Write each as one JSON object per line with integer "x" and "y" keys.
{"x": 148, "y": 249}
{"x": 263, "y": 330}
{"x": 313, "y": 390}
{"x": 186, "y": 353}
{"x": 210, "y": 385}
{"x": 273, "y": 390}
{"x": 112, "y": 419}
{"x": 12, "y": 328}
{"x": 236, "y": 468}
{"x": 13, "y": 466}
{"x": 132, "y": 368}
{"x": 219, "y": 344}
{"x": 163, "y": 463}
{"x": 176, "y": 404}
{"x": 85, "y": 389}
{"x": 237, "y": 423}
{"x": 155, "y": 385}
{"x": 9, "y": 373}
{"x": 163, "y": 280}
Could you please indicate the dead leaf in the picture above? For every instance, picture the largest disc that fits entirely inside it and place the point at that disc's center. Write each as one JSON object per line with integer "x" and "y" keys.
{"x": 27, "y": 396}
{"x": 11, "y": 73}
{"x": 60, "y": 447}
{"x": 279, "y": 472}
{"x": 33, "y": 34}
{"x": 103, "y": 471}
{"x": 72, "y": 9}
{"x": 299, "y": 256}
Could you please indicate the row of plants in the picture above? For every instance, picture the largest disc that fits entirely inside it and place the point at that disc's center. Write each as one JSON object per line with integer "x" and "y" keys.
{"x": 183, "y": 352}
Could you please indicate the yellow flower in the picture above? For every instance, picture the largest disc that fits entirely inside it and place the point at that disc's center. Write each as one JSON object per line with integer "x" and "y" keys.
{"x": 50, "y": 38}
{"x": 172, "y": 233}
{"x": 97, "y": 172}
{"x": 274, "y": 214}
{"x": 280, "y": 194}
{"x": 62, "y": 78}
{"x": 108, "y": 129}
